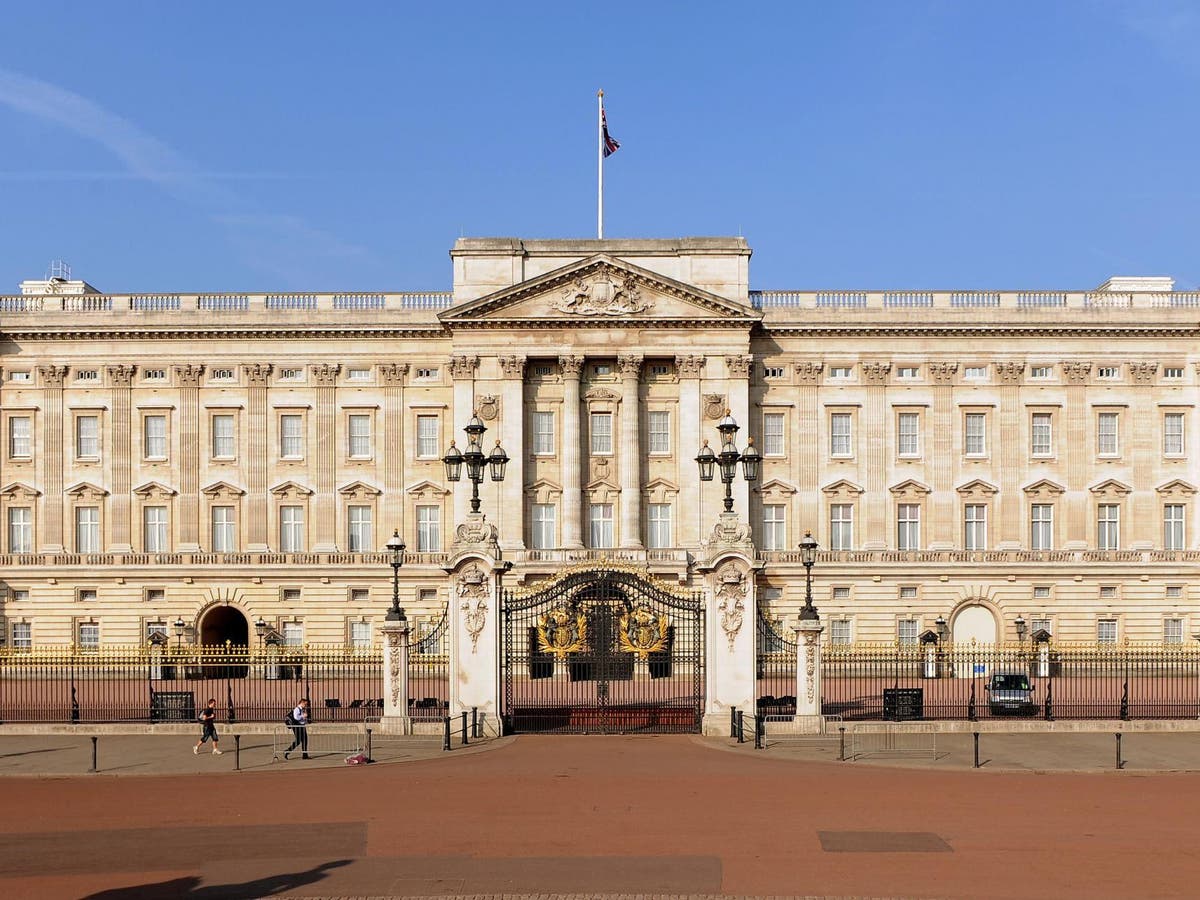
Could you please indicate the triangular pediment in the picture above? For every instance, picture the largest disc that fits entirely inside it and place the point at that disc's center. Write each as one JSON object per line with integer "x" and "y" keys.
{"x": 777, "y": 487}
{"x": 291, "y": 489}
{"x": 977, "y": 486}
{"x": 85, "y": 489}
{"x": 1044, "y": 486}
{"x": 1111, "y": 486}
{"x": 359, "y": 490}
{"x": 153, "y": 489}
{"x": 426, "y": 488}
{"x": 842, "y": 486}
{"x": 1177, "y": 486}
{"x": 600, "y": 290}
{"x": 222, "y": 489}
{"x": 910, "y": 486}
{"x": 20, "y": 489}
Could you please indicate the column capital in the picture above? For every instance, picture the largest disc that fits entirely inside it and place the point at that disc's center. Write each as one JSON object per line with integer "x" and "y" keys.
{"x": 121, "y": 375}
{"x": 1011, "y": 372}
{"x": 809, "y": 372}
{"x": 943, "y": 372}
{"x": 52, "y": 376}
{"x": 571, "y": 365}
{"x": 325, "y": 375}
{"x": 1077, "y": 372}
{"x": 392, "y": 374}
{"x": 876, "y": 372}
{"x": 739, "y": 366}
{"x": 689, "y": 366}
{"x": 189, "y": 375}
{"x": 630, "y": 366}
{"x": 512, "y": 366}
{"x": 1143, "y": 372}
{"x": 257, "y": 373}
{"x": 463, "y": 366}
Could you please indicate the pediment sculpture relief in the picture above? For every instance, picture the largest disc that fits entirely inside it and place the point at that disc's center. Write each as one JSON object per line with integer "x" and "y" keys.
{"x": 603, "y": 295}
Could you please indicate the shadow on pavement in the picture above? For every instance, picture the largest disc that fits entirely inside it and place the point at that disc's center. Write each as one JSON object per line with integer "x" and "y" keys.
{"x": 190, "y": 888}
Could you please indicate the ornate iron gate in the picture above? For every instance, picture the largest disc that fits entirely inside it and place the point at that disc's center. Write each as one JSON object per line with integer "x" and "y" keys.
{"x": 775, "y": 669}
{"x": 603, "y": 651}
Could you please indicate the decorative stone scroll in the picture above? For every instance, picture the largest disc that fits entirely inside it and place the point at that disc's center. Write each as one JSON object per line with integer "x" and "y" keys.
{"x": 630, "y": 366}
{"x": 512, "y": 366}
{"x": 876, "y": 373}
{"x": 1143, "y": 372}
{"x": 394, "y": 640}
{"x": 52, "y": 376}
{"x": 1077, "y": 372}
{"x": 325, "y": 375}
{"x": 189, "y": 375}
{"x": 571, "y": 366}
{"x": 1010, "y": 372}
{"x": 472, "y": 590}
{"x": 475, "y": 533}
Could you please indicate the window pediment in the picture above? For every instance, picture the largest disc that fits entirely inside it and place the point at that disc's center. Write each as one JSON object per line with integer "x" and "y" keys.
{"x": 359, "y": 490}
{"x": 19, "y": 491}
{"x": 910, "y": 488}
{"x": 603, "y": 491}
{"x": 776, "y": 488}
{"x": 1176, "y": 488}
{"x": 660, "y": 490}
{"x": 544, "y": 491}
{"x": 1111, "y": 488}
{"x": 154, "y": 490}
{"x": 290, "y": 490}
{"x": 977, "y": 488}
{"x": 222, "y": 490}
{"x": 1044, "y": 488}
{"x": 426, "y": 490}
{"x": 85, "y": 490}
{"x": 843, "y": 487}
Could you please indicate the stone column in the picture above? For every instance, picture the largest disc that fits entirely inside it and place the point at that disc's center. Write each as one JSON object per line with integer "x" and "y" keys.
{"x": 737, "y": 369}
{"x": 325, "y": 512}
{"x": 512, "y": 436}
{"x": 799, "y": 445}
{"x": 396, "y": 719}
{"x": 943, "y": 520}
{"x": 1011, "y": 448}
{"x": 189, "y": 457}
{"x": 462, "y": 370}
{"x": 121, "y": 459}
{"x": 808, "y": 675}
{"x": 1145, "y": 521}
{"x": 257, "y": 510}
{"x": 392, "y": 511}
{"x": 730, "y": 650}
{"x": 53, "y": 426}
{"x": 475, "y": 578}
{"x": 631, "y": 453}
{"x": 691, "y": 512}
{"x": 1076, "y": 519}
{"x": 571, "y": 438}
{"x": 874, "y": 456}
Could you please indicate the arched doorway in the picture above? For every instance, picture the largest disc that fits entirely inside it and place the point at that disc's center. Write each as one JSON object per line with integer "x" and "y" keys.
{"x": 223, "y": 624}
{"x": 974, "y": 623}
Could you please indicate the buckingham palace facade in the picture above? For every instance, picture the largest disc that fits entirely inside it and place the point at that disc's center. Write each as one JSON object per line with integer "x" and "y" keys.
{"x": 970, "y": 456}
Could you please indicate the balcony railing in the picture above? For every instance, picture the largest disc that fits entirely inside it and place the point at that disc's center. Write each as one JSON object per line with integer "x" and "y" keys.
{"x": 1028, "y": 300}
{"x": 218, "y": 559}
{"x": 224, "y": 303}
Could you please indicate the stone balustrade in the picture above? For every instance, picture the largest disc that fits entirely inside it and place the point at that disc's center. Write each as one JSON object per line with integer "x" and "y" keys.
{"x": 972, "y": 299}
{"x": 225, "y": 303}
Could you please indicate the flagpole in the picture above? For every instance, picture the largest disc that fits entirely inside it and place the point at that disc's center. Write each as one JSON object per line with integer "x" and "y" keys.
{"x": 600, "y": 166}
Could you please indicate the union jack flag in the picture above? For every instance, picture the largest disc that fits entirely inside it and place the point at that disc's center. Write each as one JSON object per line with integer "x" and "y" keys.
{"x": 610, "y": 144}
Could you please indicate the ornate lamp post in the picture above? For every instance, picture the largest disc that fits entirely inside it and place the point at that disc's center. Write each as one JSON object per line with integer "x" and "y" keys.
{"x": 728, "y": 459}
{"x": 475, "y": 460}
{"x": 808, "y": 556}
{"x": 260, "y": 627}
{"x": 179, "y": 626}
{"x": 943, "y": 629}
{"x": 395, "y": 548}
{"x": 1020, "y": 624}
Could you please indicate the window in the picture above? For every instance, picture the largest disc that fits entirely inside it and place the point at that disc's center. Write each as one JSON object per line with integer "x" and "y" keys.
{"x": 22, "y": 636}
{"x": 1036, "y": 625}
{"x": 601, "y": 518}
{"x": 154, "y": 529}
{"x": 907, "y": 372}
{"x": 1041, "y": 528}
{"x": 291, "y": 374}
{"x": 543, "y": 371}
{"x": 601, "y": 432}
{"x": 841, "y": 526}
{"x": 358, "y": 374}
{"x": 223, "y": 374}
{"x": 87, "y": 437}
{"x": 154, "y": 437}
{"x": 906, "y": 632}
{"x": 659, "y": 526}
{"x": 291, "y": 436}
{"x": 361, "y": 596}
{"x": 660, "y": 431}
{"x": 20, "y": 437}
{"x": 1108, "y": 526}
{"x": 1107, "y": 442}
{"x": 293, "y": 634}
{"x": 1173, "y": 434}
{"x": 773, "y": 434}
{"x": 1041, "y": 592}
{"x": 841, "y": 593}
{"x": 88, "y": 375}
{"x": 1108, "y": 592}
{"x": 291, "y": 529}
{"x": 975, "y": 442}
{"x": 1040, "y": 372}
{"x": 908, "y": 526}
{"x": 975, "y": 373}
{"x": 840, "y": 435}
{"x": 773, "y": 371}
{"x": 975, "y": 526}
{"x": 86, "y": 595}
{"x": 602, "y": 369}
{"x": 427, "y": 373}
{"x": 223, "y": 538}
{"x": 1109, "y": 373}
{"x": 658, "y": 370}
{"x": 361, "y": 539}
{"x": 20, "y": 529}
{"x": 1041, "y": 435}
{"x": 359, "y": 435}
{"x": 1172, "y": 372}
{"x": 839, "y": 372}
{"x": 1173, "y": 631}
{"x": 774, "y": 526}
{"x": 222, "y": 436}
{"x": 21, "y": 376}
{"x": 543, "y": 433}
{"x": 290, "y": 595}
{"x": 908, "y": 434}
{"x": 155, "y": 595}
{"x": 427, "y": 437}
{"x": 839, "y": 631}
{"x": 1173, "y": 526}
{"x": 908, "y": 592}
{"x": 22, "y": 596}
{"x": 360, "y": 635}
{"x": 429, "y": 529}
{"x": 89, "y": 636}
{"x": 87, "y": 529}
{"x": 1106, "y": 631}
{"x": 427, "y": 597}
{"x": 544, "y": 534}
{"x": 1174, "y": 592}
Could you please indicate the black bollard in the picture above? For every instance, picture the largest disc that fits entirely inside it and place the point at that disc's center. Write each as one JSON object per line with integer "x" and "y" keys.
{"x": 464, "y": 728}
{"x": 733, "y": 723}
{"x": 741, "y": 727}
{"x": 369, "y": 757}
{"x": 237, "y": 753}
{"x": 842, "y": 743}
{"x": 94, "y": 767}
{"x": 976, "y": 736}
{"x": 475, "y": 723}
{"x": 445, "y": 732}
{"x": 1120, "y": 761}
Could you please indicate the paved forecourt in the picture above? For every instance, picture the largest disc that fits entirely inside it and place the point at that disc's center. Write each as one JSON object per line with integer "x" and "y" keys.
{"x": 637, "y": 815}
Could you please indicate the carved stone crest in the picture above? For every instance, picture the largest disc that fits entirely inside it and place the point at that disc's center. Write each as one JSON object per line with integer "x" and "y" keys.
{"x": 731, "y": 530}
{"x": 606, "y": 294}
{"x": 475, "y": 532}
{"x": 731, "y": 591}
{"x": 487, "y": 407}
{"x": 714, "y": 406}
{"x": 472, "y": 588}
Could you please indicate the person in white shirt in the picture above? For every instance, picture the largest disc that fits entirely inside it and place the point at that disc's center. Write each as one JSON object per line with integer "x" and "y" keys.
{"x": 298, "y": 721}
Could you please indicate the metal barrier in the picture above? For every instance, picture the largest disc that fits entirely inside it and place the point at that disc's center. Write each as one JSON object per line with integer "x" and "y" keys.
{"x": 318, "y": 742}
{"x": 892, "y": 743}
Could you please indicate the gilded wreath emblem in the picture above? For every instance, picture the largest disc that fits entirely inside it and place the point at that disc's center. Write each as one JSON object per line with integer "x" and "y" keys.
{"x": 642, "y": 632}
{"x": 562, "y": 630}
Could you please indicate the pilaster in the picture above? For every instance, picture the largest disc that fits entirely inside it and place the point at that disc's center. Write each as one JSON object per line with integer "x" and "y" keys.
{"x": 940, "y": 449}
{"x": 1011, "y": 445}
{"x": 631, "y": 453}
{"x": 572, "y": 498}
{"x": 874, "y": 454}
{"x": 691, "y": 498}
{"x": 257, "y": 510}
{"x": 807, "y": 460}
{"x": 462, "y": 370}
{"x": 512, "y": 436}
{"x": 392, "y": 512}
{"x": 51, "y": 378}
{"x": 737, "y": 369}
{"x": 325, "y": 516}
{"x": 189, "y": 456}
{"x": 1144, "y": 429}
{"x": 1077, "y": 451}
{"x": 120, "y": 460}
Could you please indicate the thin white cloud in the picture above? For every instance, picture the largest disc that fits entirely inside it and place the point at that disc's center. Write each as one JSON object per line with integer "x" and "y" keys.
{"x": 149, "y": 159}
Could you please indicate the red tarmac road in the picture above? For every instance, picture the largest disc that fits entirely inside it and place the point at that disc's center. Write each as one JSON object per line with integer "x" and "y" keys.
{"x": 602, "y": 814}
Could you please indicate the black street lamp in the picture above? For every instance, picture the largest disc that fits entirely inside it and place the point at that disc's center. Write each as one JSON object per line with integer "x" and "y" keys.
{"x": 808, "y": 556}
{"x": 475, "y": 459}
{"x": 179, "y": 626}
{"x": 728, "y": 459}
{"x": 260, "y": 627}
{"x": 1020, "y": 623}
{"x": 395, "y": 547}
{"x": 943, "y": 629}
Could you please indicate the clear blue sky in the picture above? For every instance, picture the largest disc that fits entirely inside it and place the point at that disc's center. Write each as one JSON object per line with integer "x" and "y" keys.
{"x": 264, "y": 146}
